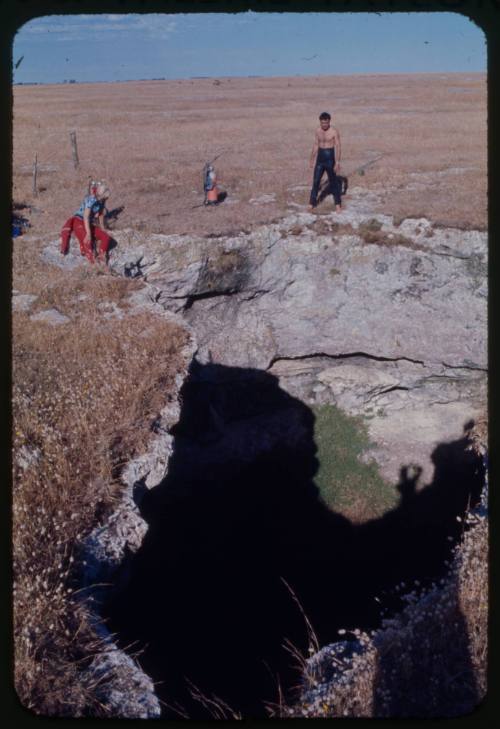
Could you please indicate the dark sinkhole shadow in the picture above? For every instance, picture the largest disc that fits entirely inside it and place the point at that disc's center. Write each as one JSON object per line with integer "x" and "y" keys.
{"x": 237, "y": 514}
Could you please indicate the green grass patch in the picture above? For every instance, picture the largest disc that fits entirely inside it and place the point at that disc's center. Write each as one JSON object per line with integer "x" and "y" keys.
{"x": 347, "y": 485}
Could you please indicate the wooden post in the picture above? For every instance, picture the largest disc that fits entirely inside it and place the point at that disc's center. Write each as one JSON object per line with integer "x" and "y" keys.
{"x": 35, "y": 169}
{"x": 74, "y": 149}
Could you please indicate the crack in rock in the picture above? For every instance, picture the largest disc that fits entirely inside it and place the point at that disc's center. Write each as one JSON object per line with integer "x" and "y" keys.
{"x": 349, "y": 355}
{"x": 472, "y": 367}
{"x": 191, "y": 299}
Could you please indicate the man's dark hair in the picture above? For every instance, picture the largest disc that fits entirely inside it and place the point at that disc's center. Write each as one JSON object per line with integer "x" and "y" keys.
{"x": 325, "y": 115}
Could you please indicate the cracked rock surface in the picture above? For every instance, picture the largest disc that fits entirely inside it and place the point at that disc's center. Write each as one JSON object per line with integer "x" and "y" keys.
{"x": 329, "y": 292}
{"x": 394, "y": 330}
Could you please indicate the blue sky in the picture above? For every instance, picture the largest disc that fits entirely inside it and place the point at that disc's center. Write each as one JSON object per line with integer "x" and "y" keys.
{"x": 113, "y": 47}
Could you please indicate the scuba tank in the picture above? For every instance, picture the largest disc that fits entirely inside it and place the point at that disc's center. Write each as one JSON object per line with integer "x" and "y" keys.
{"x": 209, "y": 184}
{"x": 208, "y": 177}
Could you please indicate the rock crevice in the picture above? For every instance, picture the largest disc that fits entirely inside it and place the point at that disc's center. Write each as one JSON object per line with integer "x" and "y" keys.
{"x": 344, "y": 355}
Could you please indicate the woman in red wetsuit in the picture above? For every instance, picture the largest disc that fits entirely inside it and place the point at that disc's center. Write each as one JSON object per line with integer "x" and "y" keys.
{"x": 88, "y": 224}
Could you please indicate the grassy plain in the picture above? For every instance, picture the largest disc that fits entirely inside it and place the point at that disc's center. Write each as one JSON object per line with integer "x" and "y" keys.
{"x": 150, "y": 139}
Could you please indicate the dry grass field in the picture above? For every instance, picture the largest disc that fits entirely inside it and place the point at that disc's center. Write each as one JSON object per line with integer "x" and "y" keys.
{"x": 150, "y": 139}
{"x": 82, "y": 407}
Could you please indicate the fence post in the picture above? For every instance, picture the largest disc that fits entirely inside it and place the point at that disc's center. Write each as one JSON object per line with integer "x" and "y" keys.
{"x": 74, "y": 149}
{"x": 35, "y": 169}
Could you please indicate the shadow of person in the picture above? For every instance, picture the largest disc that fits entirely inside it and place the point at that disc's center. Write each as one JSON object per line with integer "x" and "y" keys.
{"x": 414, "y": 539}
{"x": 112, "y": 244}
{"x": 439, "y": 678}
{"x": 237, "y": 516}
{"x": 407, "y": 485}
{"x": 112, "y": 215}
{"x": 221, "y": 196}
{"x": 234, "y": 517}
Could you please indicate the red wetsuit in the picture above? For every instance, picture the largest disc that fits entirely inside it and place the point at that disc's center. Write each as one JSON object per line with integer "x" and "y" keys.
{"x": 75, "y": 225}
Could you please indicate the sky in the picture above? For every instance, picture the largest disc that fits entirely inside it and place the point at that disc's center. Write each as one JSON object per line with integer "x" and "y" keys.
{"x": 121, "y": 47}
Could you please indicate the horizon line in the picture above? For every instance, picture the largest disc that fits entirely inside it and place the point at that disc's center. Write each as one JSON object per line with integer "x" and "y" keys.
{"x": 215, "y": 77}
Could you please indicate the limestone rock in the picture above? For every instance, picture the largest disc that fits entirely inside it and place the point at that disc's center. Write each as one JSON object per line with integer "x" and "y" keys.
{"x": 28, "y": 457}
{"x": 394, "y": 330}
{"x": 51, "y": 316}
{"x": 52, "y": 254}
{"x": 22, "y": 302}
{"x": 291, "y": 295}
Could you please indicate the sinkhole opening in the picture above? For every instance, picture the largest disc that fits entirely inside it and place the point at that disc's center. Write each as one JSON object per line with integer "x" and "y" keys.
{"x": 242, "y": 552}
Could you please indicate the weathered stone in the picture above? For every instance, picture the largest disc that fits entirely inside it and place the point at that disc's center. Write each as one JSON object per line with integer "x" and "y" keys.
{"x": 262, "y": 199}
{"x": 376, "y": 328}
{"x": 121, "y": 685}
{"x": 111, "y": 310}
{"x": 409, "y": 407}
{"x": 52, "y": 254}
{"x": 51, "y": 316}
{"x": 28, "y": 457}
{"x": 297, "y": 295}
{"x": 22, "y": 302}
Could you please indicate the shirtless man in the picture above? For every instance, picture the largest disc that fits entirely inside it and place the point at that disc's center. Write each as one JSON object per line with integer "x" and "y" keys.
{"x": 325, "y": 157}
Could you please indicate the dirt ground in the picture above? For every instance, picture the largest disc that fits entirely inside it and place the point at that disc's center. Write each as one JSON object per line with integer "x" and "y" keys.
{"x": 150, "y": 140}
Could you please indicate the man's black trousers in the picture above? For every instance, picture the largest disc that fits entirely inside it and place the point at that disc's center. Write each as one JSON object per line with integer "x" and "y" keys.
{"x": 325, "y": 162}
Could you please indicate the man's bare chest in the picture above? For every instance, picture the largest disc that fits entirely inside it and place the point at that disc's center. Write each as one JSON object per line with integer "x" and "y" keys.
{"x": 326, "y": 137}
